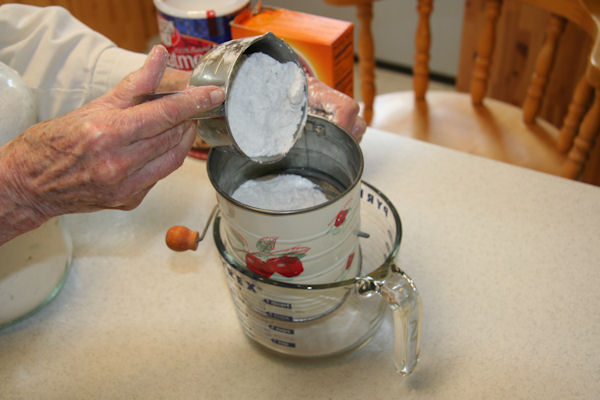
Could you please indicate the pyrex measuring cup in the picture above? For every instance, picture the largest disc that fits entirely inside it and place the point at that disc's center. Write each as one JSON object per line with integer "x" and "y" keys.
{"x": 342, "y": 251}
{"x": 272, "y": 321}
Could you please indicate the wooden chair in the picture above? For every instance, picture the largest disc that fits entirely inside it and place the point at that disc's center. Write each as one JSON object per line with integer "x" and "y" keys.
{"x": 366, "y": 52}
{"x": 487, "y": 127}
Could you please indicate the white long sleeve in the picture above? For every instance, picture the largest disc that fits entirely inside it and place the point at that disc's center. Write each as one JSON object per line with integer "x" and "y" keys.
{"x": 63, "y": 61}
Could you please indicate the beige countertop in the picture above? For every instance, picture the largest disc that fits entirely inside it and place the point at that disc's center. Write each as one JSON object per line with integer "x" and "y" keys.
{"x": 507, "y": 262}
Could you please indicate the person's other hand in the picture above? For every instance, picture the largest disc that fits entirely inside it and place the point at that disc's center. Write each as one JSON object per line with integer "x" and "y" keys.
{"x": 339, "y": 108}
{"x": 110, "y": 152}
{"x": 173, "y": 80}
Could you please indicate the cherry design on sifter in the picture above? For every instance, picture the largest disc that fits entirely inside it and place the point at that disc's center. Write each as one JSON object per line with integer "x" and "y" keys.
{"x": 266, "y": 262}
{"x": 287, "y": 262}
{"x": 340, "y": 218}
{"x": 287, "y": 266}
{"x": 349, "y": 261}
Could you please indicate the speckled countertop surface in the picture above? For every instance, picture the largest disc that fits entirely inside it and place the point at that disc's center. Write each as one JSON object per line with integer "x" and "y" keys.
{"x": 507, "y": 261}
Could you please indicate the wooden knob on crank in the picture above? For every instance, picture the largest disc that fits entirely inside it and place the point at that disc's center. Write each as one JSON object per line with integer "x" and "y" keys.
{"x": 180, "y": 238}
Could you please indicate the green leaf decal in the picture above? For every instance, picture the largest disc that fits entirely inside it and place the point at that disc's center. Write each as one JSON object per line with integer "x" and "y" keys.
{"x": 266, "y": 244}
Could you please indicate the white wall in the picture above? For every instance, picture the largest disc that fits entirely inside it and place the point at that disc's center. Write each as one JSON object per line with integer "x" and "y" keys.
{"x": 394, "y": 25}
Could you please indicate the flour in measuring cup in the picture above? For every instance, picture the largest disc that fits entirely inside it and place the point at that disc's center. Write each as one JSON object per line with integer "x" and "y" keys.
{"x": 280, "y": 193}
{"x": 266, "y": 104}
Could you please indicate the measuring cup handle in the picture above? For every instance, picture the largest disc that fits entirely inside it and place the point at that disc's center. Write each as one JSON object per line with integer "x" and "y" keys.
{"x": 404, "y": 300}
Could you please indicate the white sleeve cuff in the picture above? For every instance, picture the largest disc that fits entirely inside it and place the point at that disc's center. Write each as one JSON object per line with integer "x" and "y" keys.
{"x": 113, "y": 65}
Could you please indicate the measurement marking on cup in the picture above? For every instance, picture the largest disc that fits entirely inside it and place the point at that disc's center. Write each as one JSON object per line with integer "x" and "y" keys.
{"x": 279, "y": 316}
{"x": 282, "y": 330}
{"x": 283, "y": 342}
{"x": 279, "y": 304}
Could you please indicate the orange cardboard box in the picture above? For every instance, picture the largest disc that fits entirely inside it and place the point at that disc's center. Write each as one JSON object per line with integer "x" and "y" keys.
{"x": 324, "y": 45}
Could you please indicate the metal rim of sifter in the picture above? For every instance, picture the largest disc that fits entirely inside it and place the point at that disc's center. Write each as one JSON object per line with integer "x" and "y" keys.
{"x": 315, "y": 125}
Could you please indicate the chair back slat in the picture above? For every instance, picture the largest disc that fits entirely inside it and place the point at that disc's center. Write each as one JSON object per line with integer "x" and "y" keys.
{"x": 366, "y": 63}
{"x": 579, "y": 104}
{"x": 485, "y": 49}
{"x": 588, "y": 132}
{"x": 422, "y": 44}
{"x": 544, "y": 63}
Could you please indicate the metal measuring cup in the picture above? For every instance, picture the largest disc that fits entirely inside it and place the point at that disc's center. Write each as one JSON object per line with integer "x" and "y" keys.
{"x": 219, "y": 67}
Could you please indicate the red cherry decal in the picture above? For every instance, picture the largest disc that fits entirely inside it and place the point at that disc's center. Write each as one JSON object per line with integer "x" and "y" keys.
{"x": 341, "y": 217}
{"x": 285, "y": 265}
{"x": 350, "y": 258}
{"x": 258, "y": 266}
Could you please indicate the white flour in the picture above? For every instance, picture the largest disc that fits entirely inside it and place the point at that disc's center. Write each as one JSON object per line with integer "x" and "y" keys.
{"x": 280, "y": 193}
{"x": 33, "y": 266}
{"x": 266, "y": 103}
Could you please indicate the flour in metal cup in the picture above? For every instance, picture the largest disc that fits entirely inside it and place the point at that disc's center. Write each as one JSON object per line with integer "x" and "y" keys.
{"x": 266, "y": 104}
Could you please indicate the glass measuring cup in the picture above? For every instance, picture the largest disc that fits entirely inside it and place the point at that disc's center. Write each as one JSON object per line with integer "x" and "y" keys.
{"x": 35, "y": 266}
{"x": 267, "y": 309}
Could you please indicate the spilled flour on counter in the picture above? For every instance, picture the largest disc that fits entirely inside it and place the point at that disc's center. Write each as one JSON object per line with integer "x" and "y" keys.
{"x": 280, "y": 193}
{"x": 266, "y": 104}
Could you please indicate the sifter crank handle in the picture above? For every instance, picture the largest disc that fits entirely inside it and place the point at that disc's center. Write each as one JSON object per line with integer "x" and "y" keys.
{"x": 180, "y": 238}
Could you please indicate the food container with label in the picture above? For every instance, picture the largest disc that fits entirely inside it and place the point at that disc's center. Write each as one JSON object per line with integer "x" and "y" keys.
{"x": 189, "y": 28}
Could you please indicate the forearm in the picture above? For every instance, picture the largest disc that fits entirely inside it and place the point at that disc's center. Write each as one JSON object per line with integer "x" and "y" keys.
{"x": 17, "y": 216}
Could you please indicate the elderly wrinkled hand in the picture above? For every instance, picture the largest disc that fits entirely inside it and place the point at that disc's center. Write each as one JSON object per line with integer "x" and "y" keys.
{"x": 106, "y": 154}
{"x": 340, "y": 108}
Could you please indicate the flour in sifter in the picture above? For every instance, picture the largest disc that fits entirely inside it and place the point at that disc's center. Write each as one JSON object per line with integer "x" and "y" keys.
{"x": 266, "y": 104}
{"x": 280, "y": 193}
